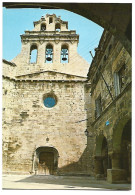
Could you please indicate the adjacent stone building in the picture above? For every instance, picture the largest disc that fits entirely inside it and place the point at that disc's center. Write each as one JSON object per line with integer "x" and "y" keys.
{"x": 109, "y": 113}
{"x": 43, "y": 97}
{"x": 59, "y": 115}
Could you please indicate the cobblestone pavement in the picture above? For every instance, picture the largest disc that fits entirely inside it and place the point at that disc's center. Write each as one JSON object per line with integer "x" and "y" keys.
{"x": 58, "y": 182}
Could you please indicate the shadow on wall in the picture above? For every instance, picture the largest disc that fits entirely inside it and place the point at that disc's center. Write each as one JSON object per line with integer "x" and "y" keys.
{"x": 85, "y": 165}
{"x": 82, "y": 167}
{"x": 45, "y": 162}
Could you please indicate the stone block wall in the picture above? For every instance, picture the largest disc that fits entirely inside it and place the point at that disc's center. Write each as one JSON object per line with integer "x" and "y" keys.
{"x": 113, "y": 64}
{"x": 29, "y": 123}
{"x": 107, "y": 129}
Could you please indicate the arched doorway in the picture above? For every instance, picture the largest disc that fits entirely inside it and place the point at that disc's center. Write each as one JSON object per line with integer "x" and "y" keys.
{"x": 101, "y": 157}
{"x": 45, "y": 161}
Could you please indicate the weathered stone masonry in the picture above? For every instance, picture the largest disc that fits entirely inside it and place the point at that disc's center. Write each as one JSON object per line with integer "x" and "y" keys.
{"x": 30, "y": 123}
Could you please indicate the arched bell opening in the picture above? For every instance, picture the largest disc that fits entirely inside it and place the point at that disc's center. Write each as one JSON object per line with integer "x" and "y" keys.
{"x": 43, "y": 27}
{"x": 46, "y": 161}
{"x": 57, "y": 27}
{"x": 50, "y": 20}
{"x": 64, "y": 54}
{"x": 49, "y": 54}
{"x": 33, "y": 53}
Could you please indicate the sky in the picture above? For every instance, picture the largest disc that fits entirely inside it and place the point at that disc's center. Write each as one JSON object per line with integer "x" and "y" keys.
{"x": 16, "y": 21}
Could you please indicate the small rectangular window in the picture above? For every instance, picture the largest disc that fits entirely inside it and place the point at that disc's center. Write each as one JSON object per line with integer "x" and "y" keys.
{"x": 98, "y": 107}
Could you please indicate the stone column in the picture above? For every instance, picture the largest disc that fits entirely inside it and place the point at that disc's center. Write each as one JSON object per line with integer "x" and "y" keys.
{"x": 129, "y": 162}
{"x": 105, "y": 165}
{"x": 116, "y": 158}
{"x": 98, "y": 167}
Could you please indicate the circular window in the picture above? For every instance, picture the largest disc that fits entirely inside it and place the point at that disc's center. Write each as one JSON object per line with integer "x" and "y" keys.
{"x": 49, "y": 100}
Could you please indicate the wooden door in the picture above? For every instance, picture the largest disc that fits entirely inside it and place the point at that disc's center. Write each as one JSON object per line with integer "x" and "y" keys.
{"x": 46, "y": 163}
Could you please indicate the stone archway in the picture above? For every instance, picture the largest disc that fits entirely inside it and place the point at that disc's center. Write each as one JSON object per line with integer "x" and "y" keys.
{"x": 45, "y": 161}
{"x": 118, "y": 132}
{"x": 121, "y": 155}
{"x": 101, "y": 157}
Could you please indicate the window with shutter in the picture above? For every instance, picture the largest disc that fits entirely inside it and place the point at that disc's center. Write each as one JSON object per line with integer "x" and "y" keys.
{"x": 98, "y": 106}
{"x": 119, "y": 80}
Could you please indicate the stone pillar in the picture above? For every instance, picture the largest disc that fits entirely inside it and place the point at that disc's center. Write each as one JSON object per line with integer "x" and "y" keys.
{"x": 129, "y": 162}
{"x": 105, "y": 165}
{"x": 116, "y": 174}
{"x": 116, "y": 158}
{"x": 98, "y": 167}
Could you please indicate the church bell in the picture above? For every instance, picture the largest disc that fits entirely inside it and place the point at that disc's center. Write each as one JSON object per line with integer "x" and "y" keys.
{"x": 64, "y": 53}
{"x": 49, "y": 54}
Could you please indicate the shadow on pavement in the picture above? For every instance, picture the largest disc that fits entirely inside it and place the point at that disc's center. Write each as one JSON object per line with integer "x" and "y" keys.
{"x": 71, "y": 182}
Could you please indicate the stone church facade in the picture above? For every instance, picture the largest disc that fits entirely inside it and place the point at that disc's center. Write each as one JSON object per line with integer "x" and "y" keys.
{"x": 39, "y": 138}
{"x": 63, "y": 116}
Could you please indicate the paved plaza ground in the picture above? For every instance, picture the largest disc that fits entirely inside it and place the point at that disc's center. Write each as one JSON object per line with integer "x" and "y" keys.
{"x": 58, "y": 182}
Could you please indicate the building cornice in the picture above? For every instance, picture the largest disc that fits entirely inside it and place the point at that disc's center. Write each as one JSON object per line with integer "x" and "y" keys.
{"x": 51, "y": 72}
{"x": 54, "y": 36}
{"x": 50, "y": 32}
{"x": 49, "y": 81}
